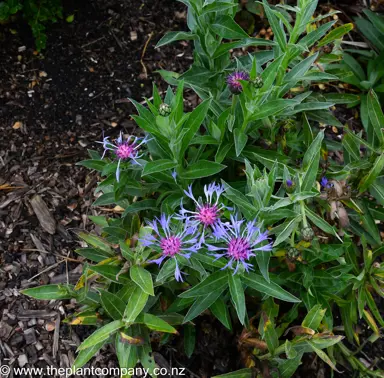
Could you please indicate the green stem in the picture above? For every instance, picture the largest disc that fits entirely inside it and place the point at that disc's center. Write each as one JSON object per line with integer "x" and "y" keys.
{"x": 304, "y": 218}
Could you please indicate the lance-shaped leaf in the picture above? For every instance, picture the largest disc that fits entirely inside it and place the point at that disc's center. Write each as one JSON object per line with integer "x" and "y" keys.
{"x": 142, "y": 278}
{"x": 311, "y": 163}
{"x": 101, "y": 334}
{"x": 215, "y": 281}
{"x": 259, "y": 283}
{"x": 155, "y": 323}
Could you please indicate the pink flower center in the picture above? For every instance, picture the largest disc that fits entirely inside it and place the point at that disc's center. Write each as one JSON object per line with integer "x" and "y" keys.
{"x": 170, "y": 246}
{"x": 239, "y": 248}
{"x": 125, "y": 151}
{"x": 208, "y": 214}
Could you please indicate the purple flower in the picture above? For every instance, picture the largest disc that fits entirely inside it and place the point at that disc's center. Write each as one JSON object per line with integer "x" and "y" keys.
{"x": 289, "y": 183}
{"x": 207, "y": 213}
{"x": 233, "y": 81}
{"x": 325, "y": 183}
{"x": 239, "y": 241}
{"x": 170, "y": 242}
{"x": 125, "y": 150}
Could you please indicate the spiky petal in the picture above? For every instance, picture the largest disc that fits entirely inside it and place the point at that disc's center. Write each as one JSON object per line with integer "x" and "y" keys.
{"x": 233, "y": 81}
{"x": 124, "y": 149}
{"x": 207, "y": 212}
{"x": 237, "y": 241}
{"x": 171, "y": 243}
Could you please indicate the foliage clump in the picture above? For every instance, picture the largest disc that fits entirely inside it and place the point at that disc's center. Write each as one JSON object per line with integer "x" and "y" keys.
{"x": 246, "y": 207}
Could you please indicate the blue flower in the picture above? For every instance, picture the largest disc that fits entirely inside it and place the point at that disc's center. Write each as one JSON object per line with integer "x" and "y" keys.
{"x": 240, "y": 240}
{"x": 325, "y": 183}
{"x": 125, "y": 150}
{"x": 289, "y": 183}
{"x": 207, "y": 212}
{"x": 172, "y": 240}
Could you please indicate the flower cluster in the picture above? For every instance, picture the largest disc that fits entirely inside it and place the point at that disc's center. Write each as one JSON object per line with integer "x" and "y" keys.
{"x": 190, "y": 231}
{"x": 125, "y": 150}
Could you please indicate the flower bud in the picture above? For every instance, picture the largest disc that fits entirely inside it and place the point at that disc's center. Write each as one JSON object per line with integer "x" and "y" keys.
{"x": 164, "y": 110}
{"x": 258, "y": 82}
{"x": 289, "y": 186}
{"x": 307, "y": 233}
{"x": 293, "y": 253}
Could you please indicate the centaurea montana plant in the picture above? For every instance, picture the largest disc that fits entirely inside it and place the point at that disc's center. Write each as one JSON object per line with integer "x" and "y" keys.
{"x": 238, "y": 241}
{"x": 125, "y": 149}
{"x": 179, "y": 238}
{"x": 262, "y": 120}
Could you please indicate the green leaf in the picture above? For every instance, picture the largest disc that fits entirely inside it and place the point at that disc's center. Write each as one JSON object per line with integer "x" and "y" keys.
{"x": 377, "y": 191}
{"x": 311, "y": 163}
{"x": 158, "y": 166}
{"x": 278, "y": 31}
{"x": 270, "y": 334}
{"x": 321, "y": 223}
{"x": 167, "y": 270}
{"x": 105, "y": 199}
{"x": 136, "y": 304}
{"x": 70, "y": 18}
{"x": 372, "y": 175}
{"x": 237, "y": 295}
{"x": 112, "y": 304}
{"x": 376, "y": 19}
{"x": 97, "y": 165}
{"x": 336, "y": 33}
{"x": 135, "y": 207}
{"x": 201, "y": 304}
{"x": 289, "y": 227}
{"x": 174, "y": 36}
{"x": 262, "y": 259}
{"x": 126, "y": 355}
{"x": 142, "y": 278}
{"x": 342, "y": 98}
{"x": 85, "y": 355}
{"x": 218, "y": 6}
{"x": 215, "y": 281}
{"x": 300, "y": 69}
{"x": 101, "y": 334}
{"x": 97, "y": 242}
{"x": 376, "y": 115}
{"x": 323, "y": 356}
{"x": 155, "y": 323}
{"x": 193, "y": 124}
{"x": 272, "y": 108}
{"x": 240, "y": 140}
{"x": 260, "y": 284}
{"x": 189, "y": 339}
{"x": 315, "y": 35}
{"x": 288, "y": 367}
{"x": 111, "y": 272}
{"x": 220, "y": 311}
{"x": 49, "y": 292}
{"x": 93, "y": 254}
{"x": 202, "y": 168}
{"x": 371, "y": 33}
{"x": 226, "y": 27}
{"x": 240, "y": 200}
{"x": 314, "y": 317}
